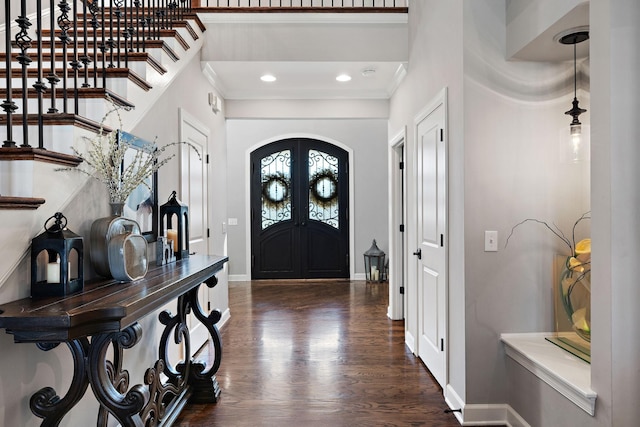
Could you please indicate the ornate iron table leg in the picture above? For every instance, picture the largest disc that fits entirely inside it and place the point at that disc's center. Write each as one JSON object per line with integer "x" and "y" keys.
{"x": 109, "y": 382}
{"x": 203, "y": 381}
{"x": 45, "y": 403}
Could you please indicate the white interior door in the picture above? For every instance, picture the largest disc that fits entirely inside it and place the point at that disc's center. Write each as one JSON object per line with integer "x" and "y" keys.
{"x": 194, "y": 193}
{"x": 432, "y": 236}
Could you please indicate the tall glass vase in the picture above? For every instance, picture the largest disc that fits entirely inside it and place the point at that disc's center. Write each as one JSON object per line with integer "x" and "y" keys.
{"x": 572, "y": 294}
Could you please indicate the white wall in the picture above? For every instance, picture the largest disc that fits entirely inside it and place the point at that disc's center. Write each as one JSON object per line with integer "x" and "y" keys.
{"x": 190, "y": 92}
{"x": 505, "y": 165}
{"x": 616, "y": 203}
{"x": 435, "y": 37}
{"x": 367, "y": 140}
{"x": 514, "y": 114}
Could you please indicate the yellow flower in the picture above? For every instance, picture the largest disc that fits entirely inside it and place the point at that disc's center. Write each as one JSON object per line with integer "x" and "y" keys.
{"x": 583, "y": 246}
{"x": 576, "y": 265}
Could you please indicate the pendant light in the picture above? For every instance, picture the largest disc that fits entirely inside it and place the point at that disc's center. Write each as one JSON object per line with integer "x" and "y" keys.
{"x": 575, "y": 128}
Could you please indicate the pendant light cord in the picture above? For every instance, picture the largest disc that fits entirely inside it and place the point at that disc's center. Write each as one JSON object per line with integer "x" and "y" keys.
{"x": 575, "y": 73}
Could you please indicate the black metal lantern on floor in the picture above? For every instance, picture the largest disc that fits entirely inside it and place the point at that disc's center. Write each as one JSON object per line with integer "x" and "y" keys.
{"x": 374, "y": 263}
{"x": 57, "y": 258}
{"x": 178, "y": 233}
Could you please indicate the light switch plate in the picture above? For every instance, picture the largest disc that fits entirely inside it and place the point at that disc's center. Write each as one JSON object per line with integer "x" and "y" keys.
{"x": 490, "y": 241}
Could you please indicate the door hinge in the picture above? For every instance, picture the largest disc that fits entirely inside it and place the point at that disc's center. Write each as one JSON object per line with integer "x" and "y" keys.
{"x": 441, "y": 344}
{"x": 346, "y": 167}
{"x": 401, "y": 165}
{"x": 402, "y": 228}
{"x": 347, "y": 260}
{"x": 208, "y": 305}
{"x": 208, "y": 233}
{"x": 207, "y": 161}
{"x": 253, "y": 260}
{"x": 442, "y": 240}
{"x": 401, "y": 290}
{"x": 441, "y": 134}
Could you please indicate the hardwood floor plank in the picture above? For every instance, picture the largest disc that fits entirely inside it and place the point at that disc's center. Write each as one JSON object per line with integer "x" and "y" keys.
{"x": 317, "y": 354}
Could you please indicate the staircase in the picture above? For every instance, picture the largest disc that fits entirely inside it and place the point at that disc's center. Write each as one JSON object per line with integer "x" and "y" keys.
{"x": 63, "y": 65}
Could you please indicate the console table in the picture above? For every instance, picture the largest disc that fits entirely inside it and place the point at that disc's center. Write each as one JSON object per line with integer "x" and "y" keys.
{"x": 105, "y": 315}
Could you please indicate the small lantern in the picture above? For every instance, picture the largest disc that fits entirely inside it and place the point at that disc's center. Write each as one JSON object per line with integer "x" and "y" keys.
{"x": 56, "y": 260}
{"x": 374, "y": 265}
{"x": 178, "y": 233}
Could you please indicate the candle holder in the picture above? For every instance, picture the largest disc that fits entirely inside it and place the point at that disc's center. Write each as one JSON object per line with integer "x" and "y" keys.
{"x": 57, "y": 258}
{"x": 374, "y": 265}
{"x": 179, "y": 235}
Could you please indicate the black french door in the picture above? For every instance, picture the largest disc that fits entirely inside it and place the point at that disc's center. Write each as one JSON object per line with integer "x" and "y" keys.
{"x": 299, "y": 210}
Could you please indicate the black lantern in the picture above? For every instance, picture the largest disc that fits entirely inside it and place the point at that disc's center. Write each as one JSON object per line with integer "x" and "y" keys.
{"x": 374, "y": 264}
{"x": 178, "y": 233}
{"x": 56, "y": 260}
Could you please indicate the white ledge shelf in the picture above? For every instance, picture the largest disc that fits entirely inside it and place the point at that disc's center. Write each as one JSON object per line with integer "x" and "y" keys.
{"x": 566, "y": 373}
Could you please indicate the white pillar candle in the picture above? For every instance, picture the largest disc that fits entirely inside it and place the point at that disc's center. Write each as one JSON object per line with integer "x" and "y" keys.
{"x": 53, "y": 272}
{"x": 173, "y": 236}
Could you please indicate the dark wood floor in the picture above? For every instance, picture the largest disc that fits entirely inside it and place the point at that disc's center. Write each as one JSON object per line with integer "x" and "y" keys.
{"x": 318, "y": 354}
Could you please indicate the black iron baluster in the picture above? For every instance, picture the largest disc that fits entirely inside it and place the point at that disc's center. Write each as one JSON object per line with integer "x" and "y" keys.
{"x": 52, "y": 77}
{"x": 23, "y": 41}
{"x": 94, "y": 9}
{"x": 64, "y": 25}
{"x": 75, "y": 63}
{"x": 39, "y": 85}
{"x": 173, "y": 8}
{"x": 118, "y": 14}
{"x": 145, "y": 23}
{"x": 138, "y": 24}
{"x": 85, "y": 58}
{"x": 8, "y": 105}
{"x": 110, "y": 43}
{"x": 160, "y": 14}
{"x": 103, "y": 45}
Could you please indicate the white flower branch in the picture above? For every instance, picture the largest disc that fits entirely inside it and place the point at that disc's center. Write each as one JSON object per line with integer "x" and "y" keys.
{"x": 105, "y": 155}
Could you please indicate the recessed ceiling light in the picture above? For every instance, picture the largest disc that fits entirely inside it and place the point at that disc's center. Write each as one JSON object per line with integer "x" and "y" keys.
{"x": 268, "y": 78}
{"x": 343, "y": 78}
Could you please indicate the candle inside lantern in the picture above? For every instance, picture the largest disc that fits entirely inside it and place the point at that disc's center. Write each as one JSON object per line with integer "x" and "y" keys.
{"x": 53, "y": 271}
{"x": 173, "y": 236}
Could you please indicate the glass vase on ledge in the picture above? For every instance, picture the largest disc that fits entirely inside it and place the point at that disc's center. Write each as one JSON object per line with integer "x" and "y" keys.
{"x": 572, "y": 303}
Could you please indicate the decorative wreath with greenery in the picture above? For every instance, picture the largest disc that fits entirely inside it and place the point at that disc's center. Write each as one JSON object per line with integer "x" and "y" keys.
{"x": 279, "y": 180}
{"x": 324, "y": 198}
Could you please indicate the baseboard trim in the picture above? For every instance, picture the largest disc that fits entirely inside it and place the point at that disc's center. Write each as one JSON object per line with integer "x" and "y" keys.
{"x": 409, "y": 341}
{"x": 454, "y": 401}
{"x": 239, "y": 278}
{"x": 492, "y": 414}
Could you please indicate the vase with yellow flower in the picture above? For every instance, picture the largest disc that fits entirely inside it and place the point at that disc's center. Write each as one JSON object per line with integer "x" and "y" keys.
{"x": 572, "y": 291}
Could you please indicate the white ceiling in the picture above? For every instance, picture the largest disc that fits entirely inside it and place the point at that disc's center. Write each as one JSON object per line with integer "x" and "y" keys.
{"x": 532, "y": 33}
{"x": 305, "y": 80}
{"x": 305, "y": 52}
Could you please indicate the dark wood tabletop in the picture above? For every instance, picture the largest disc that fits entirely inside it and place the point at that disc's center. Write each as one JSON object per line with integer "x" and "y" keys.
{"x": 105, "y": 305}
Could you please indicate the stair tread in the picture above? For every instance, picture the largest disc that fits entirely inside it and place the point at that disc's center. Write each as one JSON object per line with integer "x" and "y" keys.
{"x": 7, "y": 202}
{"x": 83, "y": 93}
{"x": 132, "y": 56}
{"x": 55, "y": 119}
{"x": 110, "y": 72}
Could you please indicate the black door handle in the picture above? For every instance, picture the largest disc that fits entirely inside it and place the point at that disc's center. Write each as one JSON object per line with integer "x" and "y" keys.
{"x": 418, "y": 253}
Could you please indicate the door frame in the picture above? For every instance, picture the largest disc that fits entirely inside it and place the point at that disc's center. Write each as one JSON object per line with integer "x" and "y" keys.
{"x": 198, "y": 331}
{"x": 439, "y": 100}
{"x": 247, "y": 182}
{"x": 397, "y": 215}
